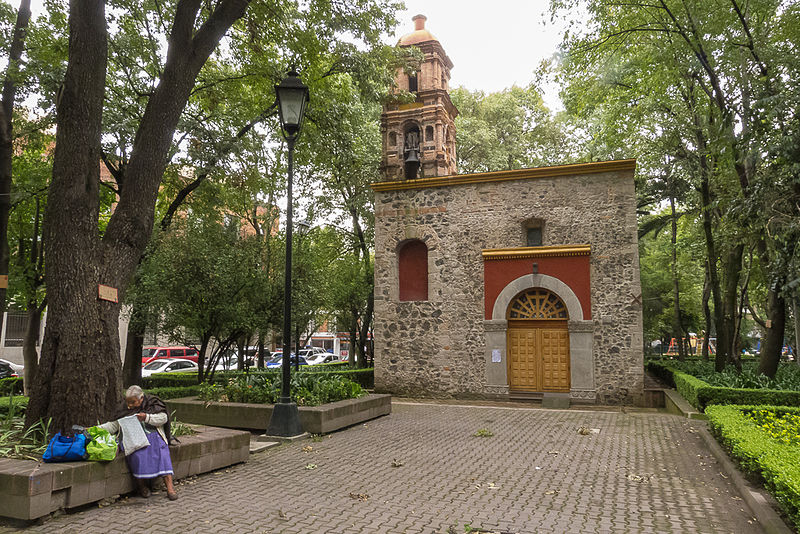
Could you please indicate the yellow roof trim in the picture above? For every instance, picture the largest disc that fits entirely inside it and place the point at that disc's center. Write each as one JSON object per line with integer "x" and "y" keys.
{"x": 535, "y": 252}
{"x": 504, "y": 176}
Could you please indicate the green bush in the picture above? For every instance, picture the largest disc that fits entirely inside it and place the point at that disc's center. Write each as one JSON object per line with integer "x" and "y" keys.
{"x": 307, "y": 389}
{"x": 776, "y": 462}
{"x": 174, "y": 392}
{"x": 700, "y": 393}
{"x": 660, "y": 370}
{"x": 787, "y": 377}
{"x": 163, "y": 380}
{"x": 11, "y": 385}
{"x": 20, "y": 404}
{"x": 364, "y": 377}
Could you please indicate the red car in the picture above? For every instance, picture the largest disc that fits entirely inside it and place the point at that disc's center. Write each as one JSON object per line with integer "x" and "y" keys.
{"x": 154, "y": 353}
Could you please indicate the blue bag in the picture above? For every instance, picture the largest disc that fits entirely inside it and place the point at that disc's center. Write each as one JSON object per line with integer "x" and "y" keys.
{"x": 66, "y": 448}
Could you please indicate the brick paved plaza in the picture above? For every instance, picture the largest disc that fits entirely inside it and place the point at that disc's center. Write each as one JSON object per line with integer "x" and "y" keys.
{"x": 643, "y": 472}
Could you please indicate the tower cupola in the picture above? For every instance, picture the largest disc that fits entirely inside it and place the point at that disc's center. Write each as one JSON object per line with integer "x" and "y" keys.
{"x": 419, "y": 136}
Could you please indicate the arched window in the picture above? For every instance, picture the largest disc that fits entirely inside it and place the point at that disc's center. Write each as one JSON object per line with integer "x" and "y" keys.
{"x": 412, "y": 267}
{"x": 412, "y": 83}
{"x": 429, "y": 133}
{"x": 392, "y": 138}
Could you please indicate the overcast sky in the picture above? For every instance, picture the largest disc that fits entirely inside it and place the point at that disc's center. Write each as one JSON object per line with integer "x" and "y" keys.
{"x": 493, "y": 44}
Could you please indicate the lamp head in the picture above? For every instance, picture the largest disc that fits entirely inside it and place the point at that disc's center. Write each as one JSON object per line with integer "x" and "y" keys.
{"x": 292, "y": 95}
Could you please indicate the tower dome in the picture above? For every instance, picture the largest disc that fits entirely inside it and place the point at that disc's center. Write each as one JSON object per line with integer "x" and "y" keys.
{"x": 419, "y": 35}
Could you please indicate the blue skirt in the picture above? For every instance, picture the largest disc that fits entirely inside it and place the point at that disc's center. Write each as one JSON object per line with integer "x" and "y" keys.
{"x": 152, "y": 461}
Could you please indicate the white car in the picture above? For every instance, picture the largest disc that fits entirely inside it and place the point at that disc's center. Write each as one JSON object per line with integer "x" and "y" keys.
{"x": 320, "y": 357}
{"x": 17, "y": 368}
{"x": 168, "y": 365}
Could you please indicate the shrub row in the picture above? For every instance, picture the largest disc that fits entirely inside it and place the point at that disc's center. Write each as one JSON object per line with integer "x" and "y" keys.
{"x": 758, "y": 454}
{"x": 174, "y": 392}
{"x": 20, "y": 404}
{"x": 11, "y": 385}
{"x": 700, "y": 394}
{"x": 307, "y": 389}
{"x": 364, "y": 377}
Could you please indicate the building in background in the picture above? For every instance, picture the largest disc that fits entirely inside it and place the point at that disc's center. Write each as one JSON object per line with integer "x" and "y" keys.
{"x": 512, "y": 284}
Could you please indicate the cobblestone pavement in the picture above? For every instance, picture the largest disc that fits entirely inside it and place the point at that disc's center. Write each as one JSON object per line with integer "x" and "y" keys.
{"x": 423, "y": 470}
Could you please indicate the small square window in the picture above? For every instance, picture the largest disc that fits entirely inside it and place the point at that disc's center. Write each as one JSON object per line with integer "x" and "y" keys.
{"x": 534, "y": 237}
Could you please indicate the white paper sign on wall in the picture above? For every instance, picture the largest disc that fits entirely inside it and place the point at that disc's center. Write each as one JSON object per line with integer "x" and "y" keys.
{"x": 496, "y": 356}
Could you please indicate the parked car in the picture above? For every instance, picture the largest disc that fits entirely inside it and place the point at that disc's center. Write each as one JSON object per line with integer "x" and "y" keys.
{"x": 277, "y": 361}
{"x": 168, "y": 365}
{"x": 154, "y": 353}
{"x": 321, "y": 357}
{"x": 19, "y": 369}
{"x": 6, "y": 370}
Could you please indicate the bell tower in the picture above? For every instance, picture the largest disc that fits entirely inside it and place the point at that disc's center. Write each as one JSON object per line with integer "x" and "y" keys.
{"x": 419, "y": 137}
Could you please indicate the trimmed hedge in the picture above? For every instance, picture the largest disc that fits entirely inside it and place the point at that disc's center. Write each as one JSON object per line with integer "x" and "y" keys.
{"x": 700, "y": 394}
{"x": 164, "y": 380}
{"x": 778, "y": 464}
{"x": 364, "y": 377}
{"x": 11, "y": 385}
{"x": 20, "y": 404}
{"x": 174, "y": 392}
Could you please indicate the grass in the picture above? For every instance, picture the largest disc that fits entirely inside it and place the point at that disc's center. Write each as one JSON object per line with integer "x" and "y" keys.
{"x": 16, "y": 441}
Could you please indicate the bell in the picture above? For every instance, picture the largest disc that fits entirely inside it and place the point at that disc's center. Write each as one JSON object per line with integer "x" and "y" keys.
{"x": 412, "y": 157}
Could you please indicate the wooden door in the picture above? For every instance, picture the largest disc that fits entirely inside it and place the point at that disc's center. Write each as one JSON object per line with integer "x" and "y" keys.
{"x": 538, "y": 343}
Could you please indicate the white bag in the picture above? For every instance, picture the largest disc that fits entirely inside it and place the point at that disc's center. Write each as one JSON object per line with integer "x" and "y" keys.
{"x": 133, "y": 435}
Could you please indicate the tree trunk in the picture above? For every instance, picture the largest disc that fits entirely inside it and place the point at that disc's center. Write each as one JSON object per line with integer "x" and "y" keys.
{"x": 7, "y": 140}
{"x": 770, "y": 355}
{"x": 134, "y": 344}
{"x": 260, "y": 352}
{"x": 677, "y": 328}
{"x": 241, "y": 354}
{"x": 30, "y": 356}
{"x": 795, "y": 311}
{"x": 706, "y": 313}
{"x": 79, "y": 378}
{"x": 201, "y": 359}
{"x": 727, "y": 327}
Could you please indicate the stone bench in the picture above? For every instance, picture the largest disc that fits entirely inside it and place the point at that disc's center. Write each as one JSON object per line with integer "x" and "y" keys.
{"x": 31, "y": 489}
{"x": 315, "y": 419}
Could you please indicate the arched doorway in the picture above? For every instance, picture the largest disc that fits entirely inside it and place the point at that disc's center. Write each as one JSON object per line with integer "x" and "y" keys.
{"x": 537, "y": 342}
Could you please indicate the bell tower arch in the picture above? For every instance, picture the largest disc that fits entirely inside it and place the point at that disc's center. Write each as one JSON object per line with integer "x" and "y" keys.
{"x": 419, "y": 137}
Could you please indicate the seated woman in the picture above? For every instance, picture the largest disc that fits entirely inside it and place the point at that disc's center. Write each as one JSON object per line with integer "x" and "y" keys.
{"x": 154, "y": 460}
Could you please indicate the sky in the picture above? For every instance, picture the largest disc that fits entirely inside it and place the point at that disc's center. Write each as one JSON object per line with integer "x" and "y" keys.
{"x": 493, "y": 45}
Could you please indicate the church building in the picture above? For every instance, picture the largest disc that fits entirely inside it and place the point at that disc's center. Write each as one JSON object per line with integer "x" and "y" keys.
{"x": 512, "y": 284}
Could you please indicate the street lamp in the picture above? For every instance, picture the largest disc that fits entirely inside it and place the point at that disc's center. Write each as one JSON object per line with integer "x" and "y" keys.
{"x": 292, "y": 98}
{"x": 303, "y": 227}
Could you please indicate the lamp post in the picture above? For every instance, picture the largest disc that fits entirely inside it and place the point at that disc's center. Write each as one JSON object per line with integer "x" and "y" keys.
{"x": 303, "y": 227}
{"x": 292, "y": 98}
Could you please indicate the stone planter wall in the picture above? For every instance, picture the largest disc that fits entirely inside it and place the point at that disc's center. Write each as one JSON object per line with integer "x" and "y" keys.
{"x": 30, "y": 489}
{"x": 315, "y": 419}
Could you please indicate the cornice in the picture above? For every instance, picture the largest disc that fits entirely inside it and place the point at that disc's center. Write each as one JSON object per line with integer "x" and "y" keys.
{"x": 535, "y": 252}
{"x": 623, "y": 165}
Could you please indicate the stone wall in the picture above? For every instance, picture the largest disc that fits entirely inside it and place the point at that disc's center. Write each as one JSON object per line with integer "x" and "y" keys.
{"x": 437, "y": 347}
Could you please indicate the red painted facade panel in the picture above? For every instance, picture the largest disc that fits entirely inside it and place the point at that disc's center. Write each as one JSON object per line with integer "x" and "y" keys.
{"x": 572, "y": 270}
{"x": 413, "y": 271}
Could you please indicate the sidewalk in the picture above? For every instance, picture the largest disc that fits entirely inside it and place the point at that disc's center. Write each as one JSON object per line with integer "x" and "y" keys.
{"x": 422, "y": 470}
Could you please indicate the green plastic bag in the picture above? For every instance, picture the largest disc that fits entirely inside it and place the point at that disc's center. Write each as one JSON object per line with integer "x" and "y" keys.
{"x": 103, "y": 447}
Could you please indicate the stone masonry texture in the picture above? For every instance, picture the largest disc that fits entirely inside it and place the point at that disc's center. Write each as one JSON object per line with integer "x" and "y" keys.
{"x": 641, "y": 473}
{"x": 437, "y": 347}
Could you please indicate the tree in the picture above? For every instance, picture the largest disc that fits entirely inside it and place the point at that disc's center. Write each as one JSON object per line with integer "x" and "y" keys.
{"x": 79, "y": 375}
{"x": 677, "y": 68}
{"x": 11, "y": 83}
{"x": 225, "y": 305}
{"x": 510, "y": 129}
